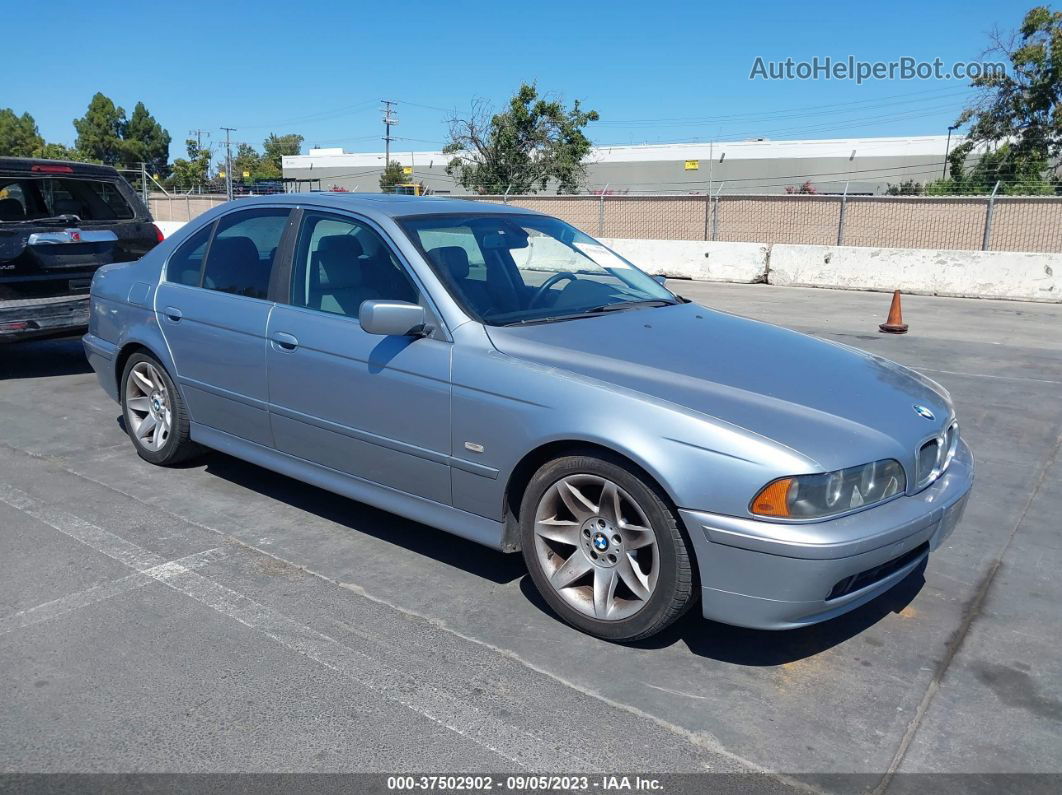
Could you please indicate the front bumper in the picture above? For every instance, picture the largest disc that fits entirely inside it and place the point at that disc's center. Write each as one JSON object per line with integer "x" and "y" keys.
{"x": 773, "y": 575}
{"x": 22, "y": 319}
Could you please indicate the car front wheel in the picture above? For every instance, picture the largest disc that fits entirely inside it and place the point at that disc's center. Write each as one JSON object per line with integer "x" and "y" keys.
{"x": 604, "y": 548}
{"x": 154, "y": 413}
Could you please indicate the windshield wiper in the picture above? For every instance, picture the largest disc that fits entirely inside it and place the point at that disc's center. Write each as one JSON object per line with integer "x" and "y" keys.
{"x": 619, "y": 306}
{"x": 595, "y": 311}
{"x": 66, "y": 218}
{"x": 552, "y": 319}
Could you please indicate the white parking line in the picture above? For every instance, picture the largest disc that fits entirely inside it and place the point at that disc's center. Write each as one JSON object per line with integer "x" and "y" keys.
{"x": 986, "y": 375}
{"x": 510, "y": 742}
{"x": 98, "y": 593}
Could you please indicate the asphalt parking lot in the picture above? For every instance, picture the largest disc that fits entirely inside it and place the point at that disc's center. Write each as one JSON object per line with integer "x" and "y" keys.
{"x": 218, "y": 617}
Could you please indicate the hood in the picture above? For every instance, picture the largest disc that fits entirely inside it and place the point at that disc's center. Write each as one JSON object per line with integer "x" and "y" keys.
{"x": 833, "y": 404}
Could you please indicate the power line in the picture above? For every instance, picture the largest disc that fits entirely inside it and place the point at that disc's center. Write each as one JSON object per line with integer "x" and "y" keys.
{"x": 802, "y": 110}
{"x": 316, "y": 116}
{"x": 429, "y": 107}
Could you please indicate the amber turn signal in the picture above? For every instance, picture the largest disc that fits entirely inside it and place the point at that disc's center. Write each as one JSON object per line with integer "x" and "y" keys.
{"x": 772, "y": 499}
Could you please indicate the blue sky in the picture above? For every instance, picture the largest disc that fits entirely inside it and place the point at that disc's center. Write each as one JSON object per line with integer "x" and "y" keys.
{"x": 657, "y": 72}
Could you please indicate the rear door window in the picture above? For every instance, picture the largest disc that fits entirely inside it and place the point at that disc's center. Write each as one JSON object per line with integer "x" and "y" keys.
{"x": 241, "y": 255}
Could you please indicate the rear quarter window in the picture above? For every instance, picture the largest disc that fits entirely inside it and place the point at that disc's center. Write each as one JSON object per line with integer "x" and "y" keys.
{"x": 186, "y": 263}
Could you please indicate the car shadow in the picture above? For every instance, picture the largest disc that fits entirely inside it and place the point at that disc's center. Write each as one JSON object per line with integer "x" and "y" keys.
{"x": 43, "y": 358}
{"x": 758, "y": 648}
{"x": 709, "y": 639}
{"x": 419, "y": 538}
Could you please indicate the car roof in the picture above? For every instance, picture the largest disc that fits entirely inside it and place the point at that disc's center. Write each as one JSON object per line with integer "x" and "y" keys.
{"x": 24, "y": 165}
{"x": 386, "y": 204}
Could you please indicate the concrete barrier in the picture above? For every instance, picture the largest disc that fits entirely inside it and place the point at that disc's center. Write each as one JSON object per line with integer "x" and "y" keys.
{"x": 708, "y": 261}
{"x": 169, "y": 227}
{"x": 970, "y": 274}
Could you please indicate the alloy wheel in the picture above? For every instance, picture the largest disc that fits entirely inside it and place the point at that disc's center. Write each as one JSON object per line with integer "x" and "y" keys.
{"x": 596, "y": 547}
{"x": 148, "y": 410}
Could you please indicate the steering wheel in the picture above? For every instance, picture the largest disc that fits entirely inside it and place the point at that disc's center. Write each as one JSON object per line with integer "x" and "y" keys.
{"x": 540, "y": 293}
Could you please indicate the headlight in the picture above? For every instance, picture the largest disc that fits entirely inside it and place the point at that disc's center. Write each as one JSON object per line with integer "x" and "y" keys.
{"x": 829, "y": 493}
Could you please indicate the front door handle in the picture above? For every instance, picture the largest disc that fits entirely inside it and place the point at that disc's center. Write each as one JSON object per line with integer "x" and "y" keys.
{"x": 173, "y": 313}
{"x": 285, "y": 341}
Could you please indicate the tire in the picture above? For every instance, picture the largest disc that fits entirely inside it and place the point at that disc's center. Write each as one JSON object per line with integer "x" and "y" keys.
{"x": 563, "y": 535}
{"x": 167, "y": 442}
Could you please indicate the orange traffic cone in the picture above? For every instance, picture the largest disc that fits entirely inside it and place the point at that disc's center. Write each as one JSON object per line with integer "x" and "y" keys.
{"x": 894, "y": 324}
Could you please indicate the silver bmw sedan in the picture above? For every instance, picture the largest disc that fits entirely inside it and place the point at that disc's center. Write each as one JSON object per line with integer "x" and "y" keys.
{"x": 500, "y": 375}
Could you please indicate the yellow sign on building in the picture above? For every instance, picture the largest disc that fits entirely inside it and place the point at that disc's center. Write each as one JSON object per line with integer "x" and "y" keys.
{"x": 693, "y": 165}
{"x": 407, "y": 170}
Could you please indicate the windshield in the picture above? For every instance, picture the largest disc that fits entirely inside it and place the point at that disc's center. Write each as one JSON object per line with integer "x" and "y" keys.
{"x": 506, "y": 269}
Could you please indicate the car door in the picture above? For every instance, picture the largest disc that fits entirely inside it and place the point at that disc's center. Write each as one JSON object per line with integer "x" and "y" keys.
{"x": 370, "y": 406}
{"x": 213, "y": 307}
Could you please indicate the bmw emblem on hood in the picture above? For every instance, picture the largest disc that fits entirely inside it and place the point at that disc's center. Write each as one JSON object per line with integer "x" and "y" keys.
{"x": 923, "y": 412}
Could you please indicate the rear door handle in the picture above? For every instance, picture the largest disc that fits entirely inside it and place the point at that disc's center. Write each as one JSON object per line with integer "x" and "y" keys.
{"x": 173, "y": 313}
{"x": 284, "y": 341}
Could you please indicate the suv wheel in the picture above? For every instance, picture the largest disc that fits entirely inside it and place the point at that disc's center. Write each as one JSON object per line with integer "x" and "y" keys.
{"x": 605, "y": 549}
{"x": 155, "y": 416}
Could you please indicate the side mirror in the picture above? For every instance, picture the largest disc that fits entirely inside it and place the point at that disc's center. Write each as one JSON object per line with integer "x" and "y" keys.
{"x": 392, "y": 318}
{"x": 660, "y": 279}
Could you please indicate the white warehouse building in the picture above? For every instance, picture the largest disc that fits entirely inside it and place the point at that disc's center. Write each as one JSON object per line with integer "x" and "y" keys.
{"x": 864, "y": 165}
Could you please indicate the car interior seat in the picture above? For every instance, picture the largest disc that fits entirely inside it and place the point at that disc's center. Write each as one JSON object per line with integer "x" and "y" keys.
{"x": 234, "y": 266}
{"x": 454, "y": 261}
{"x": 337, "y": 273}
{"x": 11, "y": 210}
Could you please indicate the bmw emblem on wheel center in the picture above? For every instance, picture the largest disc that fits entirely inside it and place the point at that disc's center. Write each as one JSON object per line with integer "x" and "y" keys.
{"x": 600, "y": 541}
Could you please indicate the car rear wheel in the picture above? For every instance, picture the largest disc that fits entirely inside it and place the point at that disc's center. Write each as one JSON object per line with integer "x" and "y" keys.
{"x": 604, "y": 548}
{"x": 154, "y": 413}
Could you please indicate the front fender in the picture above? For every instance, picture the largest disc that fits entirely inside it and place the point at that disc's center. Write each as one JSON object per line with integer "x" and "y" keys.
{"x": 511, "y": 408}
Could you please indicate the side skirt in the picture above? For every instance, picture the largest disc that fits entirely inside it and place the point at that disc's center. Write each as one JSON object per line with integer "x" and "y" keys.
{"x": 452, "y": 520}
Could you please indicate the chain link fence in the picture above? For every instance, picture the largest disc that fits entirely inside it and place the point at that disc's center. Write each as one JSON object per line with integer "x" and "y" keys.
{"x": 1001, "y": 223}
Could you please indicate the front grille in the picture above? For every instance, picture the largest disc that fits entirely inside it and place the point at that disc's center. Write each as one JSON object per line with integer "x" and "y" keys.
{"x": 934, "y": 456}
{"x": 928, "y": 455}
{"x": 865, "y": 578}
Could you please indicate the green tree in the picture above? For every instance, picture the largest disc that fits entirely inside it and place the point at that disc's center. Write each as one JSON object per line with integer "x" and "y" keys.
{"x": 906, "y": 188}
{"x": 193, "y": 173}
{"x": 275, "y": 147}
{"x": 246, "y": 160}
{"x": 393, "y": 174}
{"x": 100, "y": 131}
{"x": 145, "y": 141}
{"x": 19, "y": 136}
{"x": 54, "y": 151}
{"x": 521, "y": 149}
{"x": 1017, "y": 115}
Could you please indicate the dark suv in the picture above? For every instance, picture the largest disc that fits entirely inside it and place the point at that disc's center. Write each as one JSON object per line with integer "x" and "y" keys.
{"x": 59, "y": 222}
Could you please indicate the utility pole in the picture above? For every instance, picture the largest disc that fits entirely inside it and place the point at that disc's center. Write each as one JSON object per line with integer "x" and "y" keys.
{"x": 199, "y": 137}
{"x": 947, "y": 149}
{"x": 228, "y": 161}
{"x": 199, "y": 148}
{"x": 389, "y": 119}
